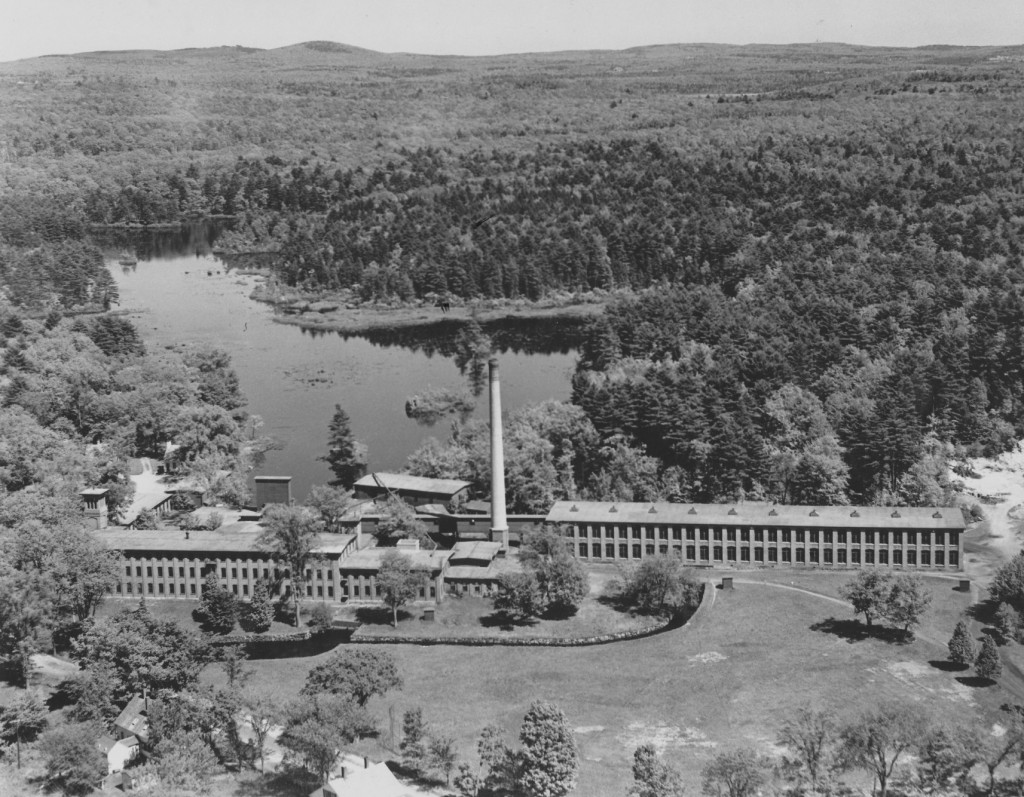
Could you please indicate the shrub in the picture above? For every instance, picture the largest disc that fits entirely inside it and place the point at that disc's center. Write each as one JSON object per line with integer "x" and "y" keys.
{"x": 320, "y": 618}
{"x": 214, "y": 521}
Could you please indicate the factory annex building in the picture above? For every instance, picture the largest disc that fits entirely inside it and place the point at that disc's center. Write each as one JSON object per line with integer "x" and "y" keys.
{"x": 756, "y": 534}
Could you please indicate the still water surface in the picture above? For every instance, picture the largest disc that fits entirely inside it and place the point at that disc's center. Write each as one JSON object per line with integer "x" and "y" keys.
{"x": 180, "y": 293}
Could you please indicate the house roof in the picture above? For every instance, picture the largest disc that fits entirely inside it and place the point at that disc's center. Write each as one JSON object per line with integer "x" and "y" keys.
{"x": 404, "y": 482}
{"x": 105, "y": 743}
{"x": 756, "y": 514}
{"x": 376, "y": 780}
{"x": 133, "y": 719}
{"x": 236, "y": 538}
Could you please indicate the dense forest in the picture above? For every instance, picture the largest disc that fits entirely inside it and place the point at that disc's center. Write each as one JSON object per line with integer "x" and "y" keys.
{"x": 812, "y": 254}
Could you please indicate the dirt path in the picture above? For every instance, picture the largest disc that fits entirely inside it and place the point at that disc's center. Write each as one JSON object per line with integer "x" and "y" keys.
{"x": 999, "y": 489}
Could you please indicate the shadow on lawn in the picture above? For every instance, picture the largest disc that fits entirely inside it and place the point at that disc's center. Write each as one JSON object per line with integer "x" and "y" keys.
{"x": 948, "y": 666}
{"x": 974, "y": 681}
{"x": 285, "y": 782}
{"x": 506, "y": 623}
{"x": 856, "y": 631}
{"x": 379, "y": 615}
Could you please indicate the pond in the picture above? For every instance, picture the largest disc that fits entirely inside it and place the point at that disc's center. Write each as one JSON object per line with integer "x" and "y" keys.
{"x": 179, "y": 292}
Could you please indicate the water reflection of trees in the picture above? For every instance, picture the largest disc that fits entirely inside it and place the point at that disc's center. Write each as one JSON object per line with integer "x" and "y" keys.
{"x": 194, "y": 238}
{"x": 516, "y": 335}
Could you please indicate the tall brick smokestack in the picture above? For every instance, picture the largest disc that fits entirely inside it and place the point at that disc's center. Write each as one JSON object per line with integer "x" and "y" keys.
{"x": 499, "y": 523}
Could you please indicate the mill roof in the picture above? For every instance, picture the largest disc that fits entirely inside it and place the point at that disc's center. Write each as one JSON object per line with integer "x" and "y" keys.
{"x": 236, "y": 538}
{"x": 413, "y": 484}
{"x": 756, "y": 514}
{"x": 369, "y": 559}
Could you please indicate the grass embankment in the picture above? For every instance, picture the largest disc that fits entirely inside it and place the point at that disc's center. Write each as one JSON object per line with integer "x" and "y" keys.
{"x": 727, "y": 678}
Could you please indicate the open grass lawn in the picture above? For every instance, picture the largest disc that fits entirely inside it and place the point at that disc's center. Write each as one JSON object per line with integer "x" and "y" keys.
{"x": 729, "y": 677}
{"x": 470, "y": 616}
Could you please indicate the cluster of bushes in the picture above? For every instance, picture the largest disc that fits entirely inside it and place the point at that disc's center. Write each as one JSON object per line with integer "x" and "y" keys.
{"x": 220, "y": 610}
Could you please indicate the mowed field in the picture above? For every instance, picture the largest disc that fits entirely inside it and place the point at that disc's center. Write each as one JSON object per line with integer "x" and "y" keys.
{"x": 728, "y": 678}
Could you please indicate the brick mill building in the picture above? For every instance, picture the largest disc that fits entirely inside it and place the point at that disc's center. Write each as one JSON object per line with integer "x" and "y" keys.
{"x": 756, "y": 534}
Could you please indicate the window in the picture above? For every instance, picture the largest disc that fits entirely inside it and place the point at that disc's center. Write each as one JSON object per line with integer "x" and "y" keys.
{"x": 690, "y": 535}
{"x": 650, "y": 532}
{"x": 773, "y": 536}
{"x": 223, "y": 572}
{"x": 758, "y": 535}
{"x": 704, "y": 551}
{"x": 759, "y": 554}
{"x": 897, "y": 557}
{"x": 787, "y": 554}
{"x": 636, "y": 551}
{"x": 730, "y": 535}
{"x": 814, "y": 555}
{"x": 663, "y": 533}
{"x": 583, "y": 550}
{"x": 309, "y": 574}
{"x": 191, "y": 588}
{"x": 330, "y": 592}
{"x": 911, "y": 557}
{"x": 584, "y": 531}
{"x": 855, "y": 556}
{"x": 149, "y": 572}
{"x": 609, "y": 550}
{"x": 138, "y": 571}
{"x": 623, "y": 551}
{"x": 841, "y": 556}
{"x": 841, "y": 537}
{"x": 940, "y": 538}
{"x": 869, "y": 556}
{"x": 309, "y": 591}
{"x": 234, "y": 588}
{"x": 883, "y": 538}
{"x": 128, "y": 587}
{"x": 191, "y": 572}
{"x": 149, "y": 587}
{"x": 827, "y": 554}
{"x": 897, "y": 538}
{"x": 691, "y": 552}
{"x": 181, "y": 572}
{"x": 245, "y": 572}
{"x": 855, "y": 537}
{"x": 773, "y": 555}
{"x": 595, "y": 550}
{"x": 677, "y": 533}
{"x": 320, "y": 591}
{"x": 883, "y": 557}
{"x": 703, "y": 534}
{"x": 128, "y": 570}
{"x": 266, "y": 573}
{"x": 649, "y": 550}
{"x": 926, "y": 538}
{"x": 319, "y": 575}
{"x": 911, "y": 538}
{"x": 160, "y": 572}
{"x": 170, "y": 588}
{"x": 718, "y": 553}
{"x": 926, "y": 558}
{"x": 119, "y": 588}
{"x": 800, "y": 555}
{"x": 663, "y": 549}
{"x": 744, "y": 535}
{"x": 954, "y": 558}
{"x": 826, "y": 537}
{"x": 744, "y": 554}
{"x": 730, "y": 553}
{"x": 800, "y": 536}
{"x": 716, "y": 534}
{"x": 812, "y": 536}
{"x": 869, "y": 537}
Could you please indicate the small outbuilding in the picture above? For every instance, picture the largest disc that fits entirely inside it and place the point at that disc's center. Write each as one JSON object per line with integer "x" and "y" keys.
{"x": 414, "y": 490}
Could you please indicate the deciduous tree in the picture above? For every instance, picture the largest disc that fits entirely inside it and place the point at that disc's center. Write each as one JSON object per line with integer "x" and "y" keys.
{"x": 291, "y": 533}
{"x": 868, "y": 592}
{"x": 397, "y": 582}
{"x": 811, "y": 738}
{"x": 881, "y": 737}
{"x": 734, "y": 773}
{"x": 518, "y": 596}
{"x": 73, "y": 763}
{"x": 652, "y": 777}
{"x": 906, "y": 602}
{"x": 549, "y": 757}
{"x": 355, "y": 672}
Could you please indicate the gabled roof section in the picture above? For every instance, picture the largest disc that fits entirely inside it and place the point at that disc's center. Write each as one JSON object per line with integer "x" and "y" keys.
{"x": 400, "y": 482}
{"x": 757, "y": 514}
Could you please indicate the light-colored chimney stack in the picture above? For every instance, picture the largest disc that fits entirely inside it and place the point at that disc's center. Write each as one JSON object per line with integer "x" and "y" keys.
{"x": 499, "y": 523}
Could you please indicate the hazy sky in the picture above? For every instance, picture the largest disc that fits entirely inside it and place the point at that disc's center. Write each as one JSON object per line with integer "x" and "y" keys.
{"x": 473, "y": 27}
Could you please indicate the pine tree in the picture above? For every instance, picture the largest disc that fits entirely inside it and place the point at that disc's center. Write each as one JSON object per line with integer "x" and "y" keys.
{"x": 260, "y": 614}
{"x": 345, "y": 456}
{"x": 414, "y": 739}
{"x": 988, "y": 665}
{"x": 218, "y": 607}
{"x": 1007, "y": 623}
{"x": 961, "y": 646}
